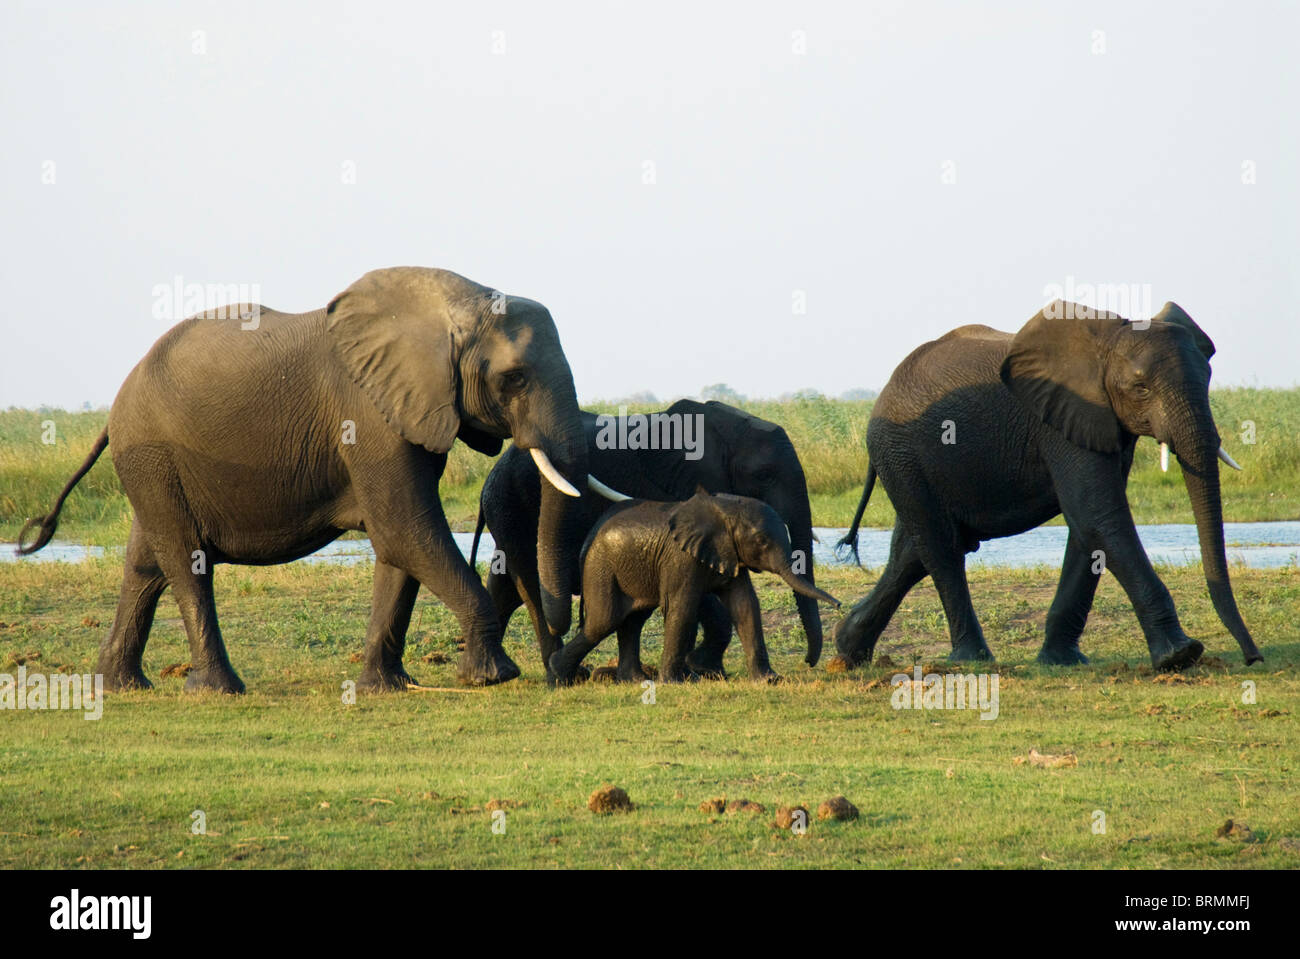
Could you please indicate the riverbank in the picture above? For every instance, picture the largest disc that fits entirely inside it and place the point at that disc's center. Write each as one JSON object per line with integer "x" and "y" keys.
{"x": 829, "y": 435}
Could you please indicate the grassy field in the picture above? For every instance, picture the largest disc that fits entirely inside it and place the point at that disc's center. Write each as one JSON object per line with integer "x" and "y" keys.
{"x": 290, "y": 776}
{"x": 829, "y": 435}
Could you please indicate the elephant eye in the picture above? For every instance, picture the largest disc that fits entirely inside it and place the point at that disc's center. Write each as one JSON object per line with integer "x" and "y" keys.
{"x": 513, "y": 380}
{"x": 1142, "y": 390}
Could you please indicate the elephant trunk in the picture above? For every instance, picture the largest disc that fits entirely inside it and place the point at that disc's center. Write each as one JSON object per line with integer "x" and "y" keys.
{"x": 558, "y": 519}
{"x": 1196, "y": 444}
{"x": 803, "y": 587}
{"x": 801, "y": 539}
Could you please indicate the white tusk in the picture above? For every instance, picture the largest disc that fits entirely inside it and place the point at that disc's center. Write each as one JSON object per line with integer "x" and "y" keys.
{"x": 610, "y": 494}
{"x": 1223, "y": 455}
{"x": 1164, "y": 457}
{"x": 552, "y": 474}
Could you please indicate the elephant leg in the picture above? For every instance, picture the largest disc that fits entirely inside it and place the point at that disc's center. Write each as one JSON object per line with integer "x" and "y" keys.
{"x": 507, "y": 595}
{"x": 742, "y": 604}
{"x": 603, "y": 612}
{"x": 121, "y": 654}
{"x": 681, "y": 613}
{"x": 1069, "y": 612}
{"x": 1092, "y": 498}
{"x": 209, "y": 665}
{"x": 857, "y": 633}
{"x": 629, "y": 647}
{"x": 949, "y": 575}
{"x": 526, "y": 588}
{"x": 1169, "y": 646}
{"x": 426, "y": 550}
{"x": 390, "y": 615}
{"x": 706, "y": 658}
{"x": 440, "y": 566}
{"x": 944, "y": 556}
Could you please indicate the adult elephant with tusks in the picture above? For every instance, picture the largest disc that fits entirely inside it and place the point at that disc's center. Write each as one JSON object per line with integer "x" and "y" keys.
{"x": 247, "y": 435}
{"x": 717, "y": 447}
{"x": 982, "y": 434}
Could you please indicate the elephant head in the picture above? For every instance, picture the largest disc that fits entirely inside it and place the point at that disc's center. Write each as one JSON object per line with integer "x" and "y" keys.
{"x": 444, "y": 358}
{"x": 726, "y": 533}
{"x": 1101, "y": 380}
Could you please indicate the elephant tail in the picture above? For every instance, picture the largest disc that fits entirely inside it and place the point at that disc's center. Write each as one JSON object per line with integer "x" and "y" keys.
{"x": 478, "y": 533}
{"x": 849, "y": 544}
{"x": 50, "y": 522}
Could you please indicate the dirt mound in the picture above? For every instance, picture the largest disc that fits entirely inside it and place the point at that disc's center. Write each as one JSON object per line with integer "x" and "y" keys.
{"x": 837, "y": 808}
{"x": 608, "y": 799}
{"x": 787, "y": 816}
{"x": 837, "y": 664}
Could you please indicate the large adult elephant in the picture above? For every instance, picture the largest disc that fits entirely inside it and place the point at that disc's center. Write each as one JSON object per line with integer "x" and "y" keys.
{"x": 252, "y": 436}
{"x": 982, "y": 434}
{"x": 737, "y": 453}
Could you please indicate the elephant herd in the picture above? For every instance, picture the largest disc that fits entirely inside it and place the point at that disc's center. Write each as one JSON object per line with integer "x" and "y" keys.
{"x": 258, "y": 442}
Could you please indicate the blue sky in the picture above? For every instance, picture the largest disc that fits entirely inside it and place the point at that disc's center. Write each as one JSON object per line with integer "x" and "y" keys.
{"x": 675, "y": 181}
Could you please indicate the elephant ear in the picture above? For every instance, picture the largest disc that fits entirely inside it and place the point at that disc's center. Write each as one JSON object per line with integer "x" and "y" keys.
{"x": 1171, "y": 312}
{"x": 394, "y": 332}
{"x": 1056, "y": 369}
{"x": 699, "y": 527}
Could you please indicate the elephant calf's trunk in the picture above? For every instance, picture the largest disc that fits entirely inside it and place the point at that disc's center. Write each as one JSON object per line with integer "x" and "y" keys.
{"x": 805, "y": 588}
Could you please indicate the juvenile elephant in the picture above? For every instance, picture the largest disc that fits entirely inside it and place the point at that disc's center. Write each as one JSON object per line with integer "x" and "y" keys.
{"x": 644, "y": 555}
{"x": 982, "y": 434}
{"x": 734, "y": 453}
{"x": 252, "y": 436}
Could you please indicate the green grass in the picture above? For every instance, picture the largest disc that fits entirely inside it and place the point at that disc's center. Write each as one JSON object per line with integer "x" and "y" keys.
{"x": 290, "y": 776}
{"x": 829, "y": 435}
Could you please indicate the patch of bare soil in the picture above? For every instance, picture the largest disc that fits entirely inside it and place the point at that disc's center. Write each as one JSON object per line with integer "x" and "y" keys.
{"x": 1047, "y": 760}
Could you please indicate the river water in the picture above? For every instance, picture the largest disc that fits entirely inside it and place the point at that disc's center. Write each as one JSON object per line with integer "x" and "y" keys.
{"x": 1250, "y": 544}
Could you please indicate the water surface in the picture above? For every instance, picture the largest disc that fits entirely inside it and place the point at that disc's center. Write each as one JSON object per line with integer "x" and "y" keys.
{"x": 1258, "y": 545}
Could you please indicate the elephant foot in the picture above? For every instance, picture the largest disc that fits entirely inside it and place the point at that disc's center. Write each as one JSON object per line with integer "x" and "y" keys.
{"x": 560, "y": 673}
{"x": 969, "y": 651}
{"x": 581, "y": 674}
{"x": 381, "y": 679}
{"x": 1177, "y": 658}
{"x": 1061, "y": 656}
{"x": 214, "y": 679}
{"x": 676, "y": 673}
{"x": 123, "y": 679}
{"x": 705, "y": 666}
{"x": 767, "y": 677}
{"x": 486, "y": 670}
{"x": 632, "y": 674}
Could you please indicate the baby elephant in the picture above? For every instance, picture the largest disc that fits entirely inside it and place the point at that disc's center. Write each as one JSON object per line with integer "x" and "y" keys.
{"x": 644, "y": 554}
